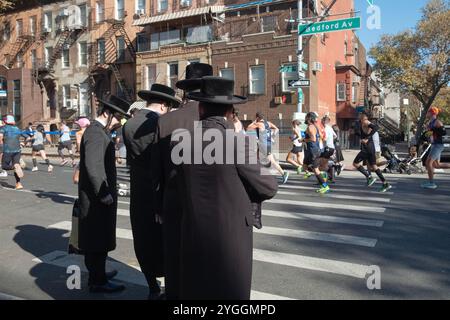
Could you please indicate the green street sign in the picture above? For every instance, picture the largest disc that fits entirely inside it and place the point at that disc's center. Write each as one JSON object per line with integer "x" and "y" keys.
{"x": 304, "y": 66}
{"x": 330, "y": 26}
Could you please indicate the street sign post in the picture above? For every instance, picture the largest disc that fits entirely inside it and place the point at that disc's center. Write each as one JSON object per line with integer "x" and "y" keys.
{"x": 330, "y": 26}
{"x": 301, "y": 97}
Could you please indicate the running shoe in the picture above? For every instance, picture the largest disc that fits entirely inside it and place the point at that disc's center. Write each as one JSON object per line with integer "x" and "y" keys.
{"x": 429, "y": 185}
{"x": 307, "y": 175}
{"x": 323, "y": 190}
{"x": 371, "y": 181}
{"x": 50, "y": 168}
{"x": 19, "y": 186}
{"x": 299, "y": 170}
{"x": 386, "y": 186}
{"x": 338, "y": 169}
{"x": 34, "y": 169}
{"x": 3, "y": 174}
{"x": 64, "y": 162}
{"x": 285, "y": 177}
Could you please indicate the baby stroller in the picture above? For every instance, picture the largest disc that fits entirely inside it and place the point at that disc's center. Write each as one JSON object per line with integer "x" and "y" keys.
{"x": 415, "y": 164}
{"x": 392, "y": 158}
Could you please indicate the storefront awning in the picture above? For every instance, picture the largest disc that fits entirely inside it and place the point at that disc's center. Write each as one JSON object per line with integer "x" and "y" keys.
{"x": 178, "y": 15}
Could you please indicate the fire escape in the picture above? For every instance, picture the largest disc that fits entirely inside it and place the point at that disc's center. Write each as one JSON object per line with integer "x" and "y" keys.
{"x": 109, "y": 58}
{"x": 19, "y": 48}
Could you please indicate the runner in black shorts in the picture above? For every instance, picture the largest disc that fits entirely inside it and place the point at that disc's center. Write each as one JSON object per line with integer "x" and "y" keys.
{"x": 367, "y": 154}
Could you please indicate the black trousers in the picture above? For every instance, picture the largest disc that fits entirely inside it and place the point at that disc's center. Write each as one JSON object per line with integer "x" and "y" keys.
{"x": 96, "y": 265}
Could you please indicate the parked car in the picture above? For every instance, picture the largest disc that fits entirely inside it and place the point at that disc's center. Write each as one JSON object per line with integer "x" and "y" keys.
{"x": 446, "y": 153}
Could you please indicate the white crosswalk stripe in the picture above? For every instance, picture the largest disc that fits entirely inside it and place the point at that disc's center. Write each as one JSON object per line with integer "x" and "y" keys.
{"x": 338, "y": 196}
{"x": 327, "y": 205}
{"x": 335, "y": 189}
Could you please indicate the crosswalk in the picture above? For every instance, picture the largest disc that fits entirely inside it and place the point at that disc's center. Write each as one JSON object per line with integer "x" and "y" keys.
{"x": 349, "y": 218}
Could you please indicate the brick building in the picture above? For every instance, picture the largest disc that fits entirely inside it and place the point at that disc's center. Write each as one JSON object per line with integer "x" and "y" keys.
{"x": 175, "y": 34}
{"x": 19, "y": 50}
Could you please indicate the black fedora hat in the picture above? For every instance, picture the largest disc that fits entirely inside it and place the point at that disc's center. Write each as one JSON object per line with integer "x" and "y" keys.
{"x": 217, "y": 90}
{"x": 194, "y": 74}
{"x": 116, "y": 104}
{"x": 160, "y": 92}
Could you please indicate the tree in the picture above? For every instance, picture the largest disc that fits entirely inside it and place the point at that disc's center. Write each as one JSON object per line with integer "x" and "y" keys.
{"x": 417, "y": 61}
{"x": 5, "y": 5}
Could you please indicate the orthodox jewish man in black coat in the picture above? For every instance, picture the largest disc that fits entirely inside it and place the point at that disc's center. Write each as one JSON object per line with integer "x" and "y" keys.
{"x": 97, "y": 194}
{"x": 139, "y": 135}
{"x": 216, "y": 196}
{"x": 182, "y": 118}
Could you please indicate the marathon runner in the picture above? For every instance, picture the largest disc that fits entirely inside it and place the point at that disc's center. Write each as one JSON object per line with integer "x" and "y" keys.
{"x": 329, "y": 148}
{"x": 65, "y": 142}
{"x": 435, "y": 131}
{"x": 3, "y": 173}
{"x": 10, "y": 137}
{"x": 313, "y": 152}
{"x": 297, "y": 148}
{"x": 38, "y": 147}
{"x": 366, "y": 131}
{"x": 264, "y": 133}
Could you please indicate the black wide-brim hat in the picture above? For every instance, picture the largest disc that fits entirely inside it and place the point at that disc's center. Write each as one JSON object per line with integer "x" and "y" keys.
{"x": 217, "y": 90}
{"x": 194, "y": 74}
{"x": 116, "y": 104}
{"x": 160, "y": 92}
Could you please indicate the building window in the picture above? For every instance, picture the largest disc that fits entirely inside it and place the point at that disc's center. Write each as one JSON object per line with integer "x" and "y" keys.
{"x": 99, "y": 11}
{"x": 354, "y": 92}
{"x": 140, "y": 6}
{"x": 191, "y": 61}
{"x": 120, "y": 9}
{"x": 143, "y": 43}
{"x": 33, "y": 26}
{"x": 19, "y": 28}
{"x": 288, "y": 74}
{"x": 101, "y": 45}
{"x": 150, "y": 76}
{"x": 185, "y": 3}
{"x": 83, "y": 15}
{"x": 67, "y": 102}
{"x": 19, "y": 60}
{"x": 3, "y": 95}
{"x": 164, "y": 38}
{"x": 341, "y": 94}
{"x": 83, "y": 54}
{"x": 257, "y": 79}
{"x": 48, "y": 52}
{"x": 120, "y": 49}
{"x": 33, "y": 59}
{"x": 7, "y": 32}
{"x": 173, "y": 74}
{"x": 227, "y": 73}
{"x": 17, "y": 102}
{"x": 163, "y": 5}
{"x": 66, "y": 58}
{"x": 268, "y": 23}
{"x": 48, "y": 22}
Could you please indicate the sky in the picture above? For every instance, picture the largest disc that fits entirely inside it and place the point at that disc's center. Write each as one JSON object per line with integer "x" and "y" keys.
{"x": 396, "y": 16}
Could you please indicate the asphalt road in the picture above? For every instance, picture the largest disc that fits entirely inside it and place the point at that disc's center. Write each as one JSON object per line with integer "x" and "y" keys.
{"x": 311, "y": 246}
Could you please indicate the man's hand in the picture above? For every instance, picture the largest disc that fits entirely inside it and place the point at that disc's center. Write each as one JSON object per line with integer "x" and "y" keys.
{"x": 364, "y": 141}
{"x": 108, "y": 200}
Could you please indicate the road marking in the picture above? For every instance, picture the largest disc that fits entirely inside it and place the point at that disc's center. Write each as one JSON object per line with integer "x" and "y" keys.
{"x": 323, "y": 218}
{"x": 310, "y": 263}
{"x": 53, "y": 194}
{"x": 319, "y": 236}
{"x": 123, "y": 212}
{"x": 126, "y": 272}
{"x": 327, "y": 205}
{"x": 67, "y": 225}
{"x": 340, "y": 184}
{"x": 353, "y": 191}
{"x": 339, "y": 196}
{"x": 5, "y": 296}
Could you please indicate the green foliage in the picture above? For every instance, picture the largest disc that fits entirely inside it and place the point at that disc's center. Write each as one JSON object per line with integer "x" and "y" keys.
{"x": 417, "y": 61}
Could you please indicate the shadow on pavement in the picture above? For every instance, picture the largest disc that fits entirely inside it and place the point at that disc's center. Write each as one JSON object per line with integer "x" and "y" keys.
{"x": 51, "y": 276}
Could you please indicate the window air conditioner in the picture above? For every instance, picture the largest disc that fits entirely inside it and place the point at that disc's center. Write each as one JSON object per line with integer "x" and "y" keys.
{"x": 317, "y": 66}
{"x": 64, "y": 13}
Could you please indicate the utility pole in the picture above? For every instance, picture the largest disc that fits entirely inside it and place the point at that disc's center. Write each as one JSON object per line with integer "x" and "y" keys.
{"x": 300, "y": 95}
